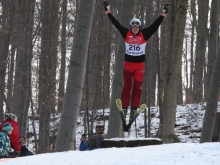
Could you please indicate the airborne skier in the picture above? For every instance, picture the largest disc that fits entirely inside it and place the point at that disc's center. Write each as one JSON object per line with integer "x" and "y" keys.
{"x": 134, "y": 62}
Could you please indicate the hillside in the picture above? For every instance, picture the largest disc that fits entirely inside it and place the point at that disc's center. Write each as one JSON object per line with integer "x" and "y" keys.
{"x": 188, "y": 124}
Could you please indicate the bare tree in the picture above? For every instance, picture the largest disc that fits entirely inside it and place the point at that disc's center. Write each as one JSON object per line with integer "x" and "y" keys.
{"x": 3, "y": 56}
{"x": 189, "y": 90}
{"x": 200, "y": 50}
{"x": 212, "y": 102}
{"x": 161, "y": 56}
{"x": 6, "y": 44}
{"x": 28, "y": 53}
{"x": 212, "y": 41}
{"x": 4, "y": 48}
{"x": 54, "y": 26}
{"x": 177, "y": 17}
{"x": 20, "y": 80}
{"x": 45, "y": 78}
{"x": 63, "y": 57}
{"x": 213, "y": 94}
{"x": 67, "y": 128}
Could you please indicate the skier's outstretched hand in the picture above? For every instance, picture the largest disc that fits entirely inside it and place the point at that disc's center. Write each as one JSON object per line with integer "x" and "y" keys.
{"x": 165, "y": 9}
{"x": 106, "y": 8}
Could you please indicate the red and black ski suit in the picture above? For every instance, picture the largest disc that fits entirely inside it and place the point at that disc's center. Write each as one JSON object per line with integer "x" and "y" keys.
{"x": 134, "y": 65}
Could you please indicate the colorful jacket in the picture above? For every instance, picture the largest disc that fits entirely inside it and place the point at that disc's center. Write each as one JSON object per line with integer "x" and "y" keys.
{"x": 15, "y": 134}
{"x": 5, "y": 145}
{"x": 90, "y": 144}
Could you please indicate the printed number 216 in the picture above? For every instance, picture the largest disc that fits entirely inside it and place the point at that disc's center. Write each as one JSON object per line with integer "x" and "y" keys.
{"x": 134, "y": 47}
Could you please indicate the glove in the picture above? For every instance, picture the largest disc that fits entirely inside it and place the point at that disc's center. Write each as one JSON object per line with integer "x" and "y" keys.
{"x": 165, "y": 8}
{"x": 15, "y": 153}
{"x": 106, "y": 6}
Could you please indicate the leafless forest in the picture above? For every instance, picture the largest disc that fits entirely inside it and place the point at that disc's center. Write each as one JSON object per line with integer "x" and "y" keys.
{"x": 65, "y": 56}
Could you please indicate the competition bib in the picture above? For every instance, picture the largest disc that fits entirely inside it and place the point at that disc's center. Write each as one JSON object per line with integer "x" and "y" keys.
{"x": 135, "y": 45}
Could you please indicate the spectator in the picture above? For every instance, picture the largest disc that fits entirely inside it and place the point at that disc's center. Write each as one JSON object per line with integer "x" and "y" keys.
{"x": 5, "y": 146}
{"x": 12, "y": 119}
{"x": 93, "y": 142}
{"x": 24, "y": 150}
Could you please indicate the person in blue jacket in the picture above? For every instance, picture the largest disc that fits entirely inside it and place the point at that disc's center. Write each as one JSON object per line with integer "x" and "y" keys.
{"x": 93, "y": 142}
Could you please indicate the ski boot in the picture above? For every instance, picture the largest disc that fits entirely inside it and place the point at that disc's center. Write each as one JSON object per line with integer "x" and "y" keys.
{"x": 133, "y": 112}
{"x": 125, "y": 112}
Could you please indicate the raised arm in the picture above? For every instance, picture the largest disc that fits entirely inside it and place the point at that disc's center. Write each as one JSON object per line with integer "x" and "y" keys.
{"x": 114, "y": 21}
{"x": 149, "y": 31}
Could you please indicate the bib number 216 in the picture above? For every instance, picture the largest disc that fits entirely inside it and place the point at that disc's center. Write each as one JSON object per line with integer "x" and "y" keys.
{"x": 134, "y": 47}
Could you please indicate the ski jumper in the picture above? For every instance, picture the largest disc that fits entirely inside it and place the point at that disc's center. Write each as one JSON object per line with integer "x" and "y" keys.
{"x": 134, "y": 66}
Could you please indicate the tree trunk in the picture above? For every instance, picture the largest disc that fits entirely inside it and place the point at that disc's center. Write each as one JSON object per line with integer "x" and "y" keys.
{"x": 178, "y": 17}
{"x": 28, "y": 53}
{"x": 63, "y": 58}
{"x": 4, "y": 49}
{"x": 45, "y": 79}
{"x": 6, "y": 43}
{"x": 155, "y": 49}
{"x": 214, "y": 87}
{"x": 189, "y": 89}
{"x": 161, "y": 61}
{"x": 54, "y": 25}
{"x": 200, "y": 50}
{"x": 212, "y": 41}
{"x": 3, "y": 56}
{"x": 180, "y": 91}
{"x": 67, "y": 128}
{"x": 212, "y": 102}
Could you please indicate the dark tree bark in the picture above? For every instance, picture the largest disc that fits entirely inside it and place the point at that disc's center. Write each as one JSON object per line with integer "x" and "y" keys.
{"x": 5, "y": 50}
{"x": 28, "y": 54}
{"x": 45, "y": 78}
{"x": 212, "y": 102}
{"x": 63, "y": 57}
{"x": 200, "y": 50}
{"x": 212, "y": 41}
{"x": 214, "y": 87}
{"x": 54, "y": 26}
{"x": 5, "y": 43}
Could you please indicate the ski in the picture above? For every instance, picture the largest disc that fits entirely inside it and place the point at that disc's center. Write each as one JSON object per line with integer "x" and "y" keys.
{"x": 121, "y": 112}
{"x": 140, "y": 110}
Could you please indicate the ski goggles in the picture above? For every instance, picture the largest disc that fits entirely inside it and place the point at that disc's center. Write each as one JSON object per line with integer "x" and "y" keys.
{"x": 135, "y": 24}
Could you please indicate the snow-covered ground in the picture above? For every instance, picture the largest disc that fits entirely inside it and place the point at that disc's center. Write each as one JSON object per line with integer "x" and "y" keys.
{"x": 189, "y": 151}
{"x": 166, "y": 154}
